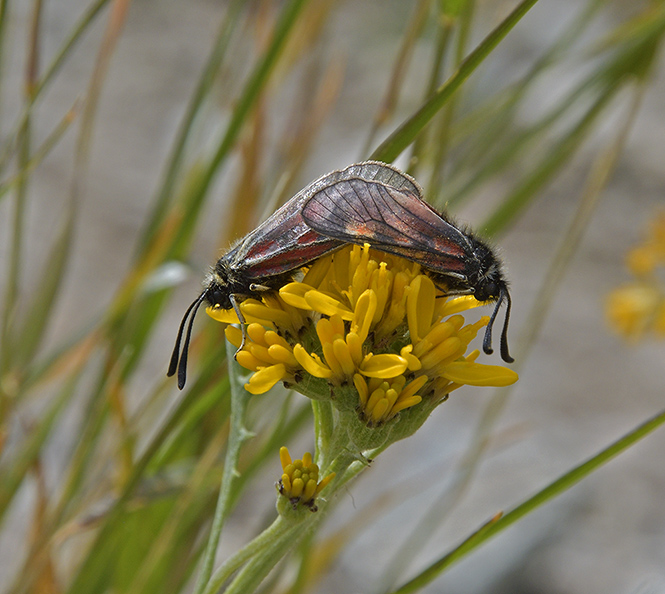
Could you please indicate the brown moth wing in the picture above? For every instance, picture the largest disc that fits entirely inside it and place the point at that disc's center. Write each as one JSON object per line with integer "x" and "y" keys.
{"x": 392, "y": 220}
{"x": 284, "y": 241}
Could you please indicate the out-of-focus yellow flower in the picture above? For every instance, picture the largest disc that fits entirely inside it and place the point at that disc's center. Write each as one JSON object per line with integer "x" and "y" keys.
{"x": 300, "y": 480}
{"x": 366, "y": 319}
{"x": 637, "y": 308}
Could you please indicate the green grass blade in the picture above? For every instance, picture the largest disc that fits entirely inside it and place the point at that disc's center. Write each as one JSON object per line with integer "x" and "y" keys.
{"x": 51, "y": 71}
{"x": 253, "y": 89}
{"x": 52, "y": 276}
{"x": 40, "y": 153}
{"x": 89, "y": 577}
{"x": 74, "y": 37}
{"x": 562, "y": 484}
{"x": 405, "y": 134}
{"x": 400, "y": 66}
{"x": 11, "y": 476}
{"x": 562, "y": 152}
{"x": 201, "y": 91}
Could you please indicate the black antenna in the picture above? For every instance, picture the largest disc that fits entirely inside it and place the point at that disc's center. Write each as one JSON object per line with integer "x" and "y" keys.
{"x": 178, "y": 361}
{"x": 487, "y": 340}
{"x": 505, "y": 355}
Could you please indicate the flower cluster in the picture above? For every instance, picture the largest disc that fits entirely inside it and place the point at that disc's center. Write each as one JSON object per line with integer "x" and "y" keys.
{"x": 638, "y": 308}
{"x": 300, "y": 480}
{"x": 368, "y": 327}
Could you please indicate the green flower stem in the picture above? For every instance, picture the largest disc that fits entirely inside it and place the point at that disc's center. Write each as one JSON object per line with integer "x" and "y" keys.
{"x": 238, "y": 434}
{"x": 269, "y": 547}
{"x": 324, "y": 429}
{"x": 274, "y": 538}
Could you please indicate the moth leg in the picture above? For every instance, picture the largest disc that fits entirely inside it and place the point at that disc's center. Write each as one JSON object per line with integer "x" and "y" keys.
{"x": 259, "y": 288}
{"x": 243, "y": 324}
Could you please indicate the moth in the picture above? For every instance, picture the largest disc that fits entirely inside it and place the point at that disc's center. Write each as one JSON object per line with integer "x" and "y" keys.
{"x": 266, "y": 258}
{"x": 396, "y": 219}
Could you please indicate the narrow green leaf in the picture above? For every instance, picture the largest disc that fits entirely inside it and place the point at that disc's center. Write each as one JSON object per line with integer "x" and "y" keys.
{"x": 12, "y": 475}
{"x": 562, "y": 484}
{"x": 201, "y": 91}
{"x": 405, "y": 134}
{"x": 44, "y": 300}
{"x": 255, "y": 85}
{"x": 562, "y": 152}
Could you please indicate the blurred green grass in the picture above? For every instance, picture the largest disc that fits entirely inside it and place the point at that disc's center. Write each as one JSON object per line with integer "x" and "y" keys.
{"x": 137, "y": 495}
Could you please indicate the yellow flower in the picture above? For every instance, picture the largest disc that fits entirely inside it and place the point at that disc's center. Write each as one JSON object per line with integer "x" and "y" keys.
{"x": 638, "y": 308}
{"x": 267, "y": 354}
{"x": 381, "y": 400}
{"x": 635, "y": 309}
{"x": 300, "y": 480}
{"x": 363, "y": 319}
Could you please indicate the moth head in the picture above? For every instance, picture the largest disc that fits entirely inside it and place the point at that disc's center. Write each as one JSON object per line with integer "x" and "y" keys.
{"x": 489, "y": 284}
{"x": 217, "y": 291}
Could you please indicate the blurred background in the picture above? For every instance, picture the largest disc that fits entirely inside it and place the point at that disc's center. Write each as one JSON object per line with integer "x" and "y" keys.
{"x": 563, "y": 124}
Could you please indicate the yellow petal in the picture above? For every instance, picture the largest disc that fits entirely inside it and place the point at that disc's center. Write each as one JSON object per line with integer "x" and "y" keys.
{"x": 383, "y": 366}
{"x": 413, "y": 362}
{"x": 355, "y": 347}
{"x": 265, "y": 378}
{"x": 391, "y": 396}
{"x": 233, "y": 335}
{"x": 322, "y": 485}
{"x": 249, "y": 361}
{"x": 297, "y": 487}
{"x": 293, "y": 294}
{"x": 442, "y": 351}
{"x": 227, "y": 316}
{"x": 379, "y": 411}
{"x": 477, "y": 374}
{"x": 453, "y": 305}
{"x": 361, "y": 386}
{"x": 310, "y": 490}
{"x": 260, "y": 352}
{"x": 271, "y": 337}
{"x": 284, "y": 457}
{"x": 413, "y": 387}
{"x": 374, "y": 398}
{"x": 420, "y": 306}
{"x": 317, "y": 272}
{"x": 327, "y": 305}
{"x": 435, "y": 336}
{"x": 262, "y": 312}
{"x": 364, "y": 314}
{"x": 404, "y": 403}
{"x": 312, "y": 366}
{"x": 381, "y": 283}
{"x": 337, "y": 325}
{"x": 343, "y": 356}
{"x": 331, "y": 360}
{"x": 282, "y": 355}
{"x": 325, "y": 331}
{"x": 256, "y": 332}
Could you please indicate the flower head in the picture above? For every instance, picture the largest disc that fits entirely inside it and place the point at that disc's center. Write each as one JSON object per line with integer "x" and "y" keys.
{"x": 371, "y": 329}
{"x": 300, "y": 480}
{"x": 637, "y": 308}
